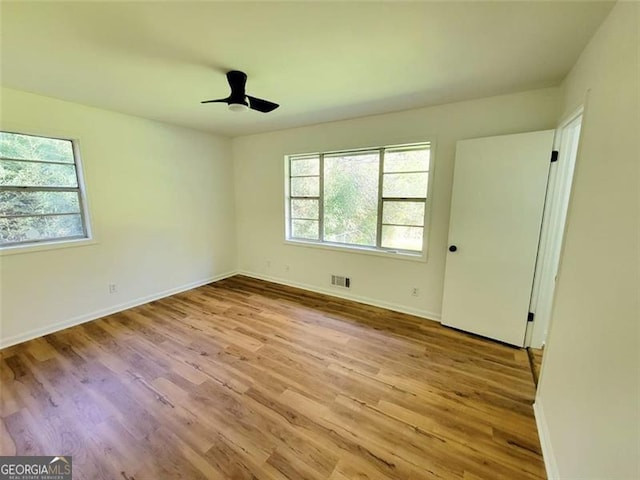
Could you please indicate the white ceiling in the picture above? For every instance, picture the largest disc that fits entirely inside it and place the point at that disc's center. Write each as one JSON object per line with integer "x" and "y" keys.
{"x": 321, "y": 61}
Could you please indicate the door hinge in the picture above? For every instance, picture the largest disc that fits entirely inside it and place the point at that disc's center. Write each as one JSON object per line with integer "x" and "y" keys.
{"x": 554, "y": 156}
{"x": 530, "y": 317}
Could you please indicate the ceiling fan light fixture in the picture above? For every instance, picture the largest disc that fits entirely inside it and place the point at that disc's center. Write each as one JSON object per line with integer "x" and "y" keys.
{"x": 238, "y": 107}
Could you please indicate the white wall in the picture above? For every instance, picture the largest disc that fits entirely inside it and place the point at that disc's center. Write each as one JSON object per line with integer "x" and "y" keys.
{"x": 162, "y": 210}
{"x": 588, "y": 402}
{"x": 259, "y": 173}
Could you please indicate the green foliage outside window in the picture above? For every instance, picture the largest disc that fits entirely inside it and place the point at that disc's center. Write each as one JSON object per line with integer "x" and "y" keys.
{"x": 345, "y": 198}
{"x": 39, "y": 191}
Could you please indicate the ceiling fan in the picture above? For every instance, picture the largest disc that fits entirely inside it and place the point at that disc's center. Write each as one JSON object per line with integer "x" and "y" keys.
{"x": 238, "y": 100}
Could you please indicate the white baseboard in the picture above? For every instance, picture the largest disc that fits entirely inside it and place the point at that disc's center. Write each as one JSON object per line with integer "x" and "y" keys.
{"x": 550, "y": 464}
{"x": 347, "y": 296}
{"x": 39, "y": 332}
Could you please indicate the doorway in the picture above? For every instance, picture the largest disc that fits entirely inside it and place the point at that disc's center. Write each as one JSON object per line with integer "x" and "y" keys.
{"x": 551, "y": 236}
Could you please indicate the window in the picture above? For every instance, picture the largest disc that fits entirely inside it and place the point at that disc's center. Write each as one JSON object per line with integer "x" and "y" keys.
{"x": 373, "y": 199}
{"x": 41, "y": 196}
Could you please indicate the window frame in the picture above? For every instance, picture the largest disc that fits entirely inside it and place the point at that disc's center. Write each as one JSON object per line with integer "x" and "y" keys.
{"x": 57, "y": 242}
{"x": 378, "y": 249}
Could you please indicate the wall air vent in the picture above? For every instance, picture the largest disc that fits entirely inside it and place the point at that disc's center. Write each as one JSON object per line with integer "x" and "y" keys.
{"x": 339, "y": 281}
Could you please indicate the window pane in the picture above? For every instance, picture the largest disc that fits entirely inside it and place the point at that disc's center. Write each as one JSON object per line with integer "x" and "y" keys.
{"x": 351, "y": 198}
{"x": 29, "y": 229}
{"x": 403, "y": 213}
{"x": 304, "y": 209}
{"x": 305, "y": 166}
{"x": 402, "y": 238}
{"x": 21, "y": 203}
{"x": 406, "y": 161}
{"x": 305, "y": 229}
{"x": 305, "y": 187}
{"x": 405, "y": 185}
{"x": 37, "y": 174}
{"x": 14, "y": 145}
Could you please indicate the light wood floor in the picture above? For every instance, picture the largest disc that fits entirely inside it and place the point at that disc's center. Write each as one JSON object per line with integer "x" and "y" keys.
{"x": 244, "y": 379}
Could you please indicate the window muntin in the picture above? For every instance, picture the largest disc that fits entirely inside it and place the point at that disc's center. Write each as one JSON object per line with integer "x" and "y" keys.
{"x": 41, "y": 195}
{"x": 373, "y": 198}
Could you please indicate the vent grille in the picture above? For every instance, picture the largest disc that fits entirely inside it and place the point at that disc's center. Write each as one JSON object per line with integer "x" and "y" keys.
{"x": 340, "y": 281}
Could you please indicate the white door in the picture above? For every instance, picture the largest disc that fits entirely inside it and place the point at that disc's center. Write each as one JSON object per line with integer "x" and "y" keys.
{"x": 497, "y": 202}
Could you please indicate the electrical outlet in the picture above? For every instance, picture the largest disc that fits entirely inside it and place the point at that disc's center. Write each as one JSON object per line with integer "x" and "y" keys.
{"x": 268, "y": 264}
{"x": 286, "y": 268}
{"x": 113, "y": 288}
{"x": 415, "y": 291}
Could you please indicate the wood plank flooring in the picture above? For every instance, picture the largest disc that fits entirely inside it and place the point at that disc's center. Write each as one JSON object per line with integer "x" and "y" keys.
{"x": 244, "y": 379}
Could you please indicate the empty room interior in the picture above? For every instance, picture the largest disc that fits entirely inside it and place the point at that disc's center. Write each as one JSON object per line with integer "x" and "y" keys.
{"x": 320, "y": 240}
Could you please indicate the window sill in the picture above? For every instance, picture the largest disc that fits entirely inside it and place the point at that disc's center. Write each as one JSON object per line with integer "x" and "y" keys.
{"x": 395, "y": 255}
{"x": 43, "y": 246}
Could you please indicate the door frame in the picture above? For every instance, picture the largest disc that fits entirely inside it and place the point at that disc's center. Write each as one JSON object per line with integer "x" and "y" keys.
{"x": 567, "y": 143}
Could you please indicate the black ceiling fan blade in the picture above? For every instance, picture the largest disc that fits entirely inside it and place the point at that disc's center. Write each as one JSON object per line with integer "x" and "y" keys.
{"x": 237, "y": 82}
{"x": 261, "y": 105}
{"x": 220, "y": 100}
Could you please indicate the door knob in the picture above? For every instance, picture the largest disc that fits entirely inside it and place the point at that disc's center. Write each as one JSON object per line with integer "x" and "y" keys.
{"x": 453, "y": 248}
